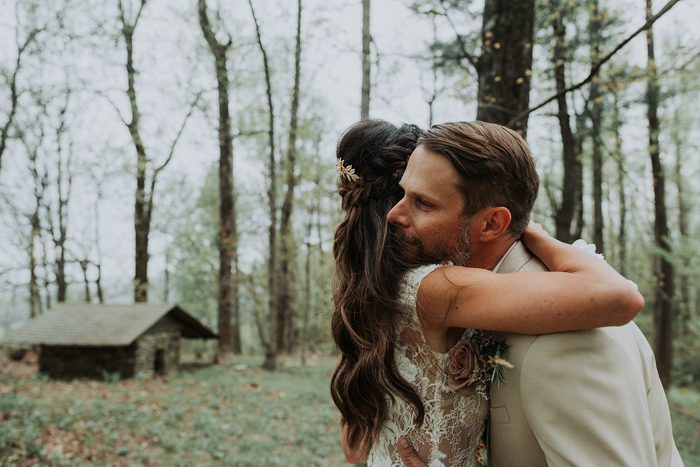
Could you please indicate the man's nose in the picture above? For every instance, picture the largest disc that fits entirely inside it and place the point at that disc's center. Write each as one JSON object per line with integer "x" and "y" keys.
{"x": 397, "y": 215}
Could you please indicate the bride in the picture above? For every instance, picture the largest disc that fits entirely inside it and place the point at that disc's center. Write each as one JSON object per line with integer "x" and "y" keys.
{"x": 408, "y": 367}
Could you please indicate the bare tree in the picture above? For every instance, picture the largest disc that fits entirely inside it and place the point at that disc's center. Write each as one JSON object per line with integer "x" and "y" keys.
{"x": 98, "y": 247}
{"x": 307, "y": 290}
{"x": 229, "y": 335}
{"x": 57, "y": 218}
{"x": 143, "y": 207}
{"x": 366, "y": 64}
{"x": 622, "y": 196}
{"x": 564, "y": 212}
{"x": 144, "y": 202}
{"x": 433, "y": 92}
{"x": 12, "y": 82}
{"x": 663, "y": 298}
{"x": 270, "y": 343}
{"x": 286, "y": 299}
{"x": 679, "y": 136}
{"x": 84, "y": 267}
{"x": 40, "y": 185}
{"x": 596, "y": 101}
{"x": 683, "y": 289}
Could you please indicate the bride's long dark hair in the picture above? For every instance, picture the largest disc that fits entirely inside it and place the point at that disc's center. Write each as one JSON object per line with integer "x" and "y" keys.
{"x": 368, "y": 272}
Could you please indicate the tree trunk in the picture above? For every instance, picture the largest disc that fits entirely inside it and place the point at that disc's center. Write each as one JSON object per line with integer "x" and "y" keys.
{"x": 63, "y": 197}
{"x": 166, "y": 279}
{"x": 84, "y": 266}
{"x": 46, "y": 281}
{"x": 14, "y": 92}
{"x": 683, "y": 288}
{"x": 622, "y": 232}
{"x": 271, "y": 349}
{"x": 286, "y": 300}
{"x": 307, "y": 291}
{"x": 236, "y": 327}
{"x": 142, "y": 219}
{"x": 98, "y": 283}
{"x": 143, "y": 205}
{"x": 34, "y": 299}
{"x": 40, "y": 183}
{"x": 34, "y": 295}
{"x": 505, "y": 65}
{"x": 366, "y": 64}
{"x": 663, "y": 299}
{"x": 684, "y": 302}
{"x": 565, "y": 213}
{"x": 98, "y": 248}
{"x": 227, "y": 211}
{"x": 596, "y": 122}
{"x": 579, "y": 223}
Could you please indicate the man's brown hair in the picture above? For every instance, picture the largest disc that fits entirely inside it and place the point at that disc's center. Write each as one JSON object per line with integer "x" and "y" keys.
{"x": 494, "y": 164}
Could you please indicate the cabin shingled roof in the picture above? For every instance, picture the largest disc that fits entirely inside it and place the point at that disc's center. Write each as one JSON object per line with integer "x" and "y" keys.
{"x": 102, "y": 325}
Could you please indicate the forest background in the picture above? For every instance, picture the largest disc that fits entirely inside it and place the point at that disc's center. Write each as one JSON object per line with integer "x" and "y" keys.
{"x": 183, "y": 151}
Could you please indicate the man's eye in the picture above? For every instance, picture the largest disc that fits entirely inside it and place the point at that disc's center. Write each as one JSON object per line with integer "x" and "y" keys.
{"x": 421, "y": 203}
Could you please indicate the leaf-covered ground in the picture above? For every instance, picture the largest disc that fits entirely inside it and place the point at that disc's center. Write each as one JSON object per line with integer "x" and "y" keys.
{"x": 209, "y": 416}
{"x": 685, "y": 414}
{"x": 213, "y": 415}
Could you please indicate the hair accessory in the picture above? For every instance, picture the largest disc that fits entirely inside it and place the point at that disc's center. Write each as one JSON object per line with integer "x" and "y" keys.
{"x": 347, "y": 172}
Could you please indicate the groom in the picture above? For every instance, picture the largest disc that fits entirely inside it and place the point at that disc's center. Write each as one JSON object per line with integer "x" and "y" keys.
{"x": 584, "y": 398}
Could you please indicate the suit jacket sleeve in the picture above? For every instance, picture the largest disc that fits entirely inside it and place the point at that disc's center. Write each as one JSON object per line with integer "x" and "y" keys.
{"x": 582, "y": 394}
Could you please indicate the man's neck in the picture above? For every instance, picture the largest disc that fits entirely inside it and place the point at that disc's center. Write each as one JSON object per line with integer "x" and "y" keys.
{"x": 487, "y": 255}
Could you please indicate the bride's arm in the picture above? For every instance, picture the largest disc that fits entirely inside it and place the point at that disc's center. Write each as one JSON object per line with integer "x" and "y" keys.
{"x": 581, "y": 292}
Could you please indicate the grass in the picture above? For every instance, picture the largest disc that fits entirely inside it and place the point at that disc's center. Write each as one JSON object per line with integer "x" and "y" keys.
{"x": 685, "y": 415}
{"x": 207, "y": 416}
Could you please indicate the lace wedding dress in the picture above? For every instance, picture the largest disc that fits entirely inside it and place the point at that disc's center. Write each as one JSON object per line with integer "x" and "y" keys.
{"x": 454, "y": 420}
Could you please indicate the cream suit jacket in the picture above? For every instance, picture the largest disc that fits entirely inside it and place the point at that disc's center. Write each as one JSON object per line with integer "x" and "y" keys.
{"x": 583, "y": 398}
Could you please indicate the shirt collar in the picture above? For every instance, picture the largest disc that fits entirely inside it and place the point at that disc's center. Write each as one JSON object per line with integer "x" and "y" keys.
{"x": 504, "y": 256}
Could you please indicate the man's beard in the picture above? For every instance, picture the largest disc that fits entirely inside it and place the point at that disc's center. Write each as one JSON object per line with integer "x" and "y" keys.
{"x": 440, "y": 250}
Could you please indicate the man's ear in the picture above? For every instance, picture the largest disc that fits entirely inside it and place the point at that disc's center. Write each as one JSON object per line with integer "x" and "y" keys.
{"x": 493, "y": 222}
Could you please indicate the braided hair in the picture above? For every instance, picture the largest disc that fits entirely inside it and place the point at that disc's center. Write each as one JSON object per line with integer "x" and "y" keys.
{"x": 368, "y": 273}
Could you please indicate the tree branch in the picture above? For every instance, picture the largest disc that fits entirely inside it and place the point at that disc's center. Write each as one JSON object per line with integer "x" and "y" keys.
{"x": 596, "y": 67}
{"x": 170, "y": 155}
{"x": 119, "y": 113}
{"x": 138, "y": 15}
{"x": 462, "y": 45}
{"x": 179, "y": 133}
{"x": 14, "y": 95}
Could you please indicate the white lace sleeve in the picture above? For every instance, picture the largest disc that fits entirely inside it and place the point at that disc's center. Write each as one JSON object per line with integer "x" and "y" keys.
{"x": 411, "y": 283}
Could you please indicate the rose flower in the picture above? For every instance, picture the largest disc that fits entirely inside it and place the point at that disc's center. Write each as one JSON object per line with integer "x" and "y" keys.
{"x": 464, "y": 358}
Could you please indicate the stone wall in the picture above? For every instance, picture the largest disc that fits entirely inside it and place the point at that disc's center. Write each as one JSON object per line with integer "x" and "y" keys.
{"x": 147, "y": 347}
{"x": 68, "y": 362}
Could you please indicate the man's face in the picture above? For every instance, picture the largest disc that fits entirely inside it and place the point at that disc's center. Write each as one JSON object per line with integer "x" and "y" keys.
{"x": 429, "y": 216}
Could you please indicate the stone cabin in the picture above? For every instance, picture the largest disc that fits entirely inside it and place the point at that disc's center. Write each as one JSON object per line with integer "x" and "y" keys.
{"x": 100, "y": 341}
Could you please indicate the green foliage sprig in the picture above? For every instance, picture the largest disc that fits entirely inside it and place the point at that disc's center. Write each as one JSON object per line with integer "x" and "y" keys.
{"x": 491, "y": 350}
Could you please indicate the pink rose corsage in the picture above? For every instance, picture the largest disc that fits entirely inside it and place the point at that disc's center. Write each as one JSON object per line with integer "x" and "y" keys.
{"x": 464, "y": 368}
{"x": 464, "y": 360}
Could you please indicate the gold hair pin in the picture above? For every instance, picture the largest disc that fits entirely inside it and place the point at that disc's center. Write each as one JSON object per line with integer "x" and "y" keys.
{"x": 347, "y": 172}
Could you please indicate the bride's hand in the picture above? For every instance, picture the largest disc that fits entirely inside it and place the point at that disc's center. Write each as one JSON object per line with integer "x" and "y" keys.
{"x": 534, "y": 232}
{"x": 538, "y": 241}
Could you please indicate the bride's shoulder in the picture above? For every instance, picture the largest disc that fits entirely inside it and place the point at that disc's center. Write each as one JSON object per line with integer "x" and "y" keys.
{"x": 412, "y": 280}
{"x": 416, "y": 275}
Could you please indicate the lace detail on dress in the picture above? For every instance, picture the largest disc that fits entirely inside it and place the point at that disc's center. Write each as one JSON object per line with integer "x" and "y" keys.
{"x": 454, "y": 420}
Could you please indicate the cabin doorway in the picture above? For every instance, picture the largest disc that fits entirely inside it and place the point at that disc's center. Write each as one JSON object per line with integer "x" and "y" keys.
{"x": 159, "y": 363}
